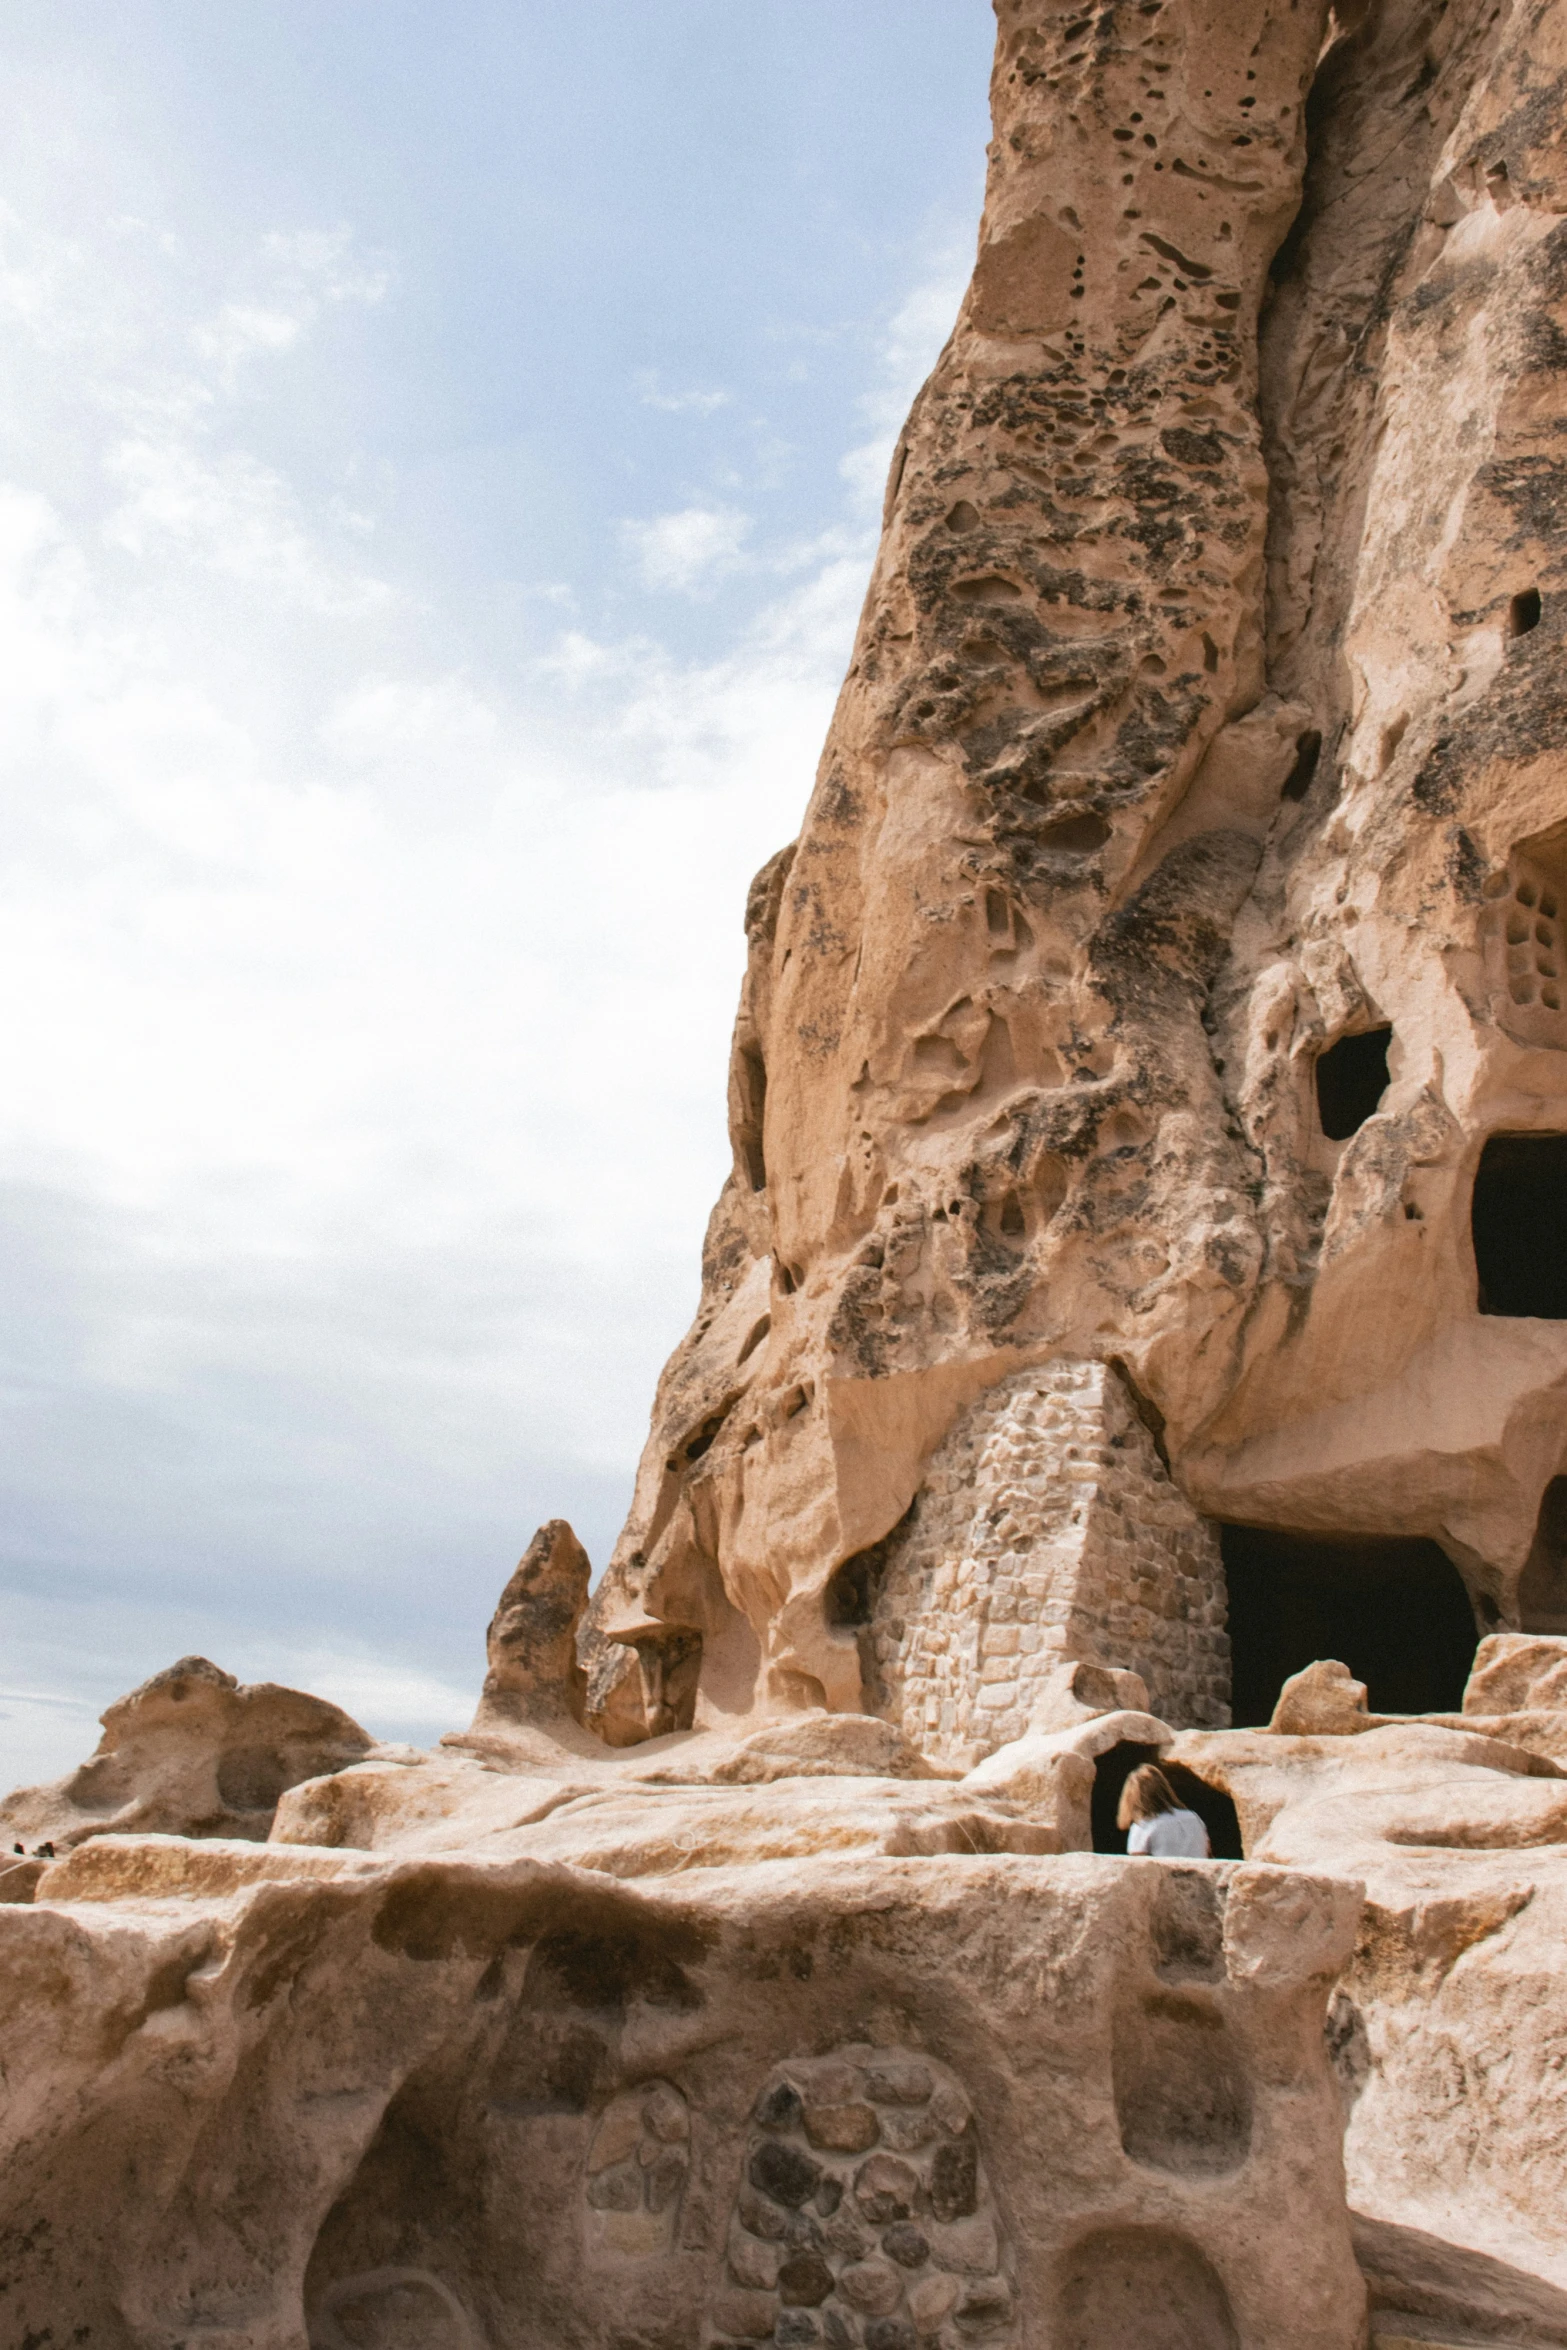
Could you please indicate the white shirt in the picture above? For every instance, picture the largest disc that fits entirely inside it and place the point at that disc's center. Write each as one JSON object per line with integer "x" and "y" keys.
{"x": 1170, "y": 1835}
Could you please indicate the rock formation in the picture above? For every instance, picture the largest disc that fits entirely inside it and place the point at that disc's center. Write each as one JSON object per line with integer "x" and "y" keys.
{"x": 1139, "y": 1305}
{"x": 1164, "y": 987}
{"x": 189, "y": 1753}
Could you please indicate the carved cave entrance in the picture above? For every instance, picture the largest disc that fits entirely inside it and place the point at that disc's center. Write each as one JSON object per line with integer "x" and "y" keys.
{"x": 1212, "y": 1806}
{"x": 1542, "y": 1590}
{"x": 1519, "y": 1221}
{"x": 1352, "y": 1077}
{"x": 1394, "y": 1610}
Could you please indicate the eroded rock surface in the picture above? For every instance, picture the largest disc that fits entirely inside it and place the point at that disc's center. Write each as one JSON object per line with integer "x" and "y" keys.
{"x": 824, "y": 2103}
{"x": 192, "y": 1752}
{"x": 1168, "y": 971}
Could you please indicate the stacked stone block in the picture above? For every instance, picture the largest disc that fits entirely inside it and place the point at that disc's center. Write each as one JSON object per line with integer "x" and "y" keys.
{"x": 1047, "y": 1528}
{"x": 864, "y": 2216}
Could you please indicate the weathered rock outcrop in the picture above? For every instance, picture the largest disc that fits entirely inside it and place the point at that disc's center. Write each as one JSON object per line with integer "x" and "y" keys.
{"x": 189, "y": 1753}
{"x": 535, "y": 1691}
{"x": 1448, "y": 2028}
{"x": 829, "y": 2103}
{"x": 1168, "y": 971}
{"x": 977, "y": 1119}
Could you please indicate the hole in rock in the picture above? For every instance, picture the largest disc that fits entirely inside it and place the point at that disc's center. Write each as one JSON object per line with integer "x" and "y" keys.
{"x": 1308, "y": 750}
{"x": 701, "y": 1440}
{"x": 253, "y": 1778}
{"x": 671, "y": 1667}
{"x": 752, "y": 1087}
{"x": 1542, "y": 1590}
{"x": 1523, "y": 613}
{"x": 1352, "y": 1077}
{"x": 938, "y": 1056}
{"x": 1182, "y": 2098}
{"x": 1518, "y": 1217}
{"x": 963, "y": 516}
{"x": 1079, "y": 836}
{"x": 1392, "y": 735}
{"x": 390, "y": 2307}
{"x": 992, "y": 589}
{"x": 1111, "y": 1772}
{"x": 1141, "y": 2289}
{"x": 1186, "y": 1927}
{"x": 1050, "y": 1184}
{"x": 759, "y": 1330}
{"x": 1212, "y": 1806}
{"x": 1394, "y": 1609}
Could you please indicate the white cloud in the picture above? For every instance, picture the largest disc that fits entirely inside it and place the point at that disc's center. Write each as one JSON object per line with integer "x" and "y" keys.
{"x": 912, "y": 338}
{"x": 301, "y": 274}
{"x": 692, "y": 402}
{"x": 690, "y": 550}
{"x": 357, "y": 1139}
{"x": 329, "y": 264}
{"x": 233, "y": 514}
{"x": 243, "y": 327}
{"x": 42, "y": 1737}
{"x": 393, "y": 1700}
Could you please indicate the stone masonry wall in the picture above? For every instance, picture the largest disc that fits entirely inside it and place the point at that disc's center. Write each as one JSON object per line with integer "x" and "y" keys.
{"x": 1046, "y": 1528}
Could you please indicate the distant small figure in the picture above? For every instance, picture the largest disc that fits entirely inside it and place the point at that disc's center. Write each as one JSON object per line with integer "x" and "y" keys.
{"x": 1156, "y": 1820}
{"x": 21, "y": 1849}
{"x": 43, "y": 1852}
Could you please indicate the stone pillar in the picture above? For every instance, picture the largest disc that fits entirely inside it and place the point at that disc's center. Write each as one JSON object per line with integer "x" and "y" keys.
{"x": 1047, "y": 1528}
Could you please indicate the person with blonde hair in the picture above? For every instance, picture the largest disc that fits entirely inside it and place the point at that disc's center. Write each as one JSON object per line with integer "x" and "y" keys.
{"x": 1156, "y": 1821}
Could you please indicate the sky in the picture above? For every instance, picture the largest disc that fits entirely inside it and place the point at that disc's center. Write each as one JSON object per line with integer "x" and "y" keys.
{"x": 439, "y": 465}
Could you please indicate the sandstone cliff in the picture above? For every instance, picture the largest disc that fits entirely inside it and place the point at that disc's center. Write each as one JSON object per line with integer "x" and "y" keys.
{"x": 1177, "y": 914}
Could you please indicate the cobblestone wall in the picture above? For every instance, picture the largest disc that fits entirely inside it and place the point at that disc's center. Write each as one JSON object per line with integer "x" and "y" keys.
{"x": 1046, "y": 1528}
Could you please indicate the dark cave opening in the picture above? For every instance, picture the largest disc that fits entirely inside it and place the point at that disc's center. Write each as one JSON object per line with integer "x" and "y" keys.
{"x": 1352, "y": 1077}
{"x": 1212, "y": 1806}
{"x": 1111, "y": 1772}
{"x": 1542, "y": 1590}
{"x": 1394, "y": 1609}
{"x": 671, "y": 1666}
{"x": 1308, "y": 751}
{"x": 1523, "y": 613}
{"x": 1518, "y": 1216}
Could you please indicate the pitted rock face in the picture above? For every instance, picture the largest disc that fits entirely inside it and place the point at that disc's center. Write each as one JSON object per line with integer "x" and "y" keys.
{"x": 975, "y": 1110}
{"x": 1169, "y": 967}
{"x": 864, "y": 2214}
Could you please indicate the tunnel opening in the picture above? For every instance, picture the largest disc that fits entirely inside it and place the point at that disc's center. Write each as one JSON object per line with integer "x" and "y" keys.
{"x": 1308, "y": 751}
{"x": 1212, "y": 1806}
{"x": 1111, "y": 1771}
{"x": 751, "y": 1089}
{"x": 1523, "y": 612}
{"x": 1518, "y": 1217}
{"x": 1542, "y": 1589}
{"x": 1395, "y": 1610}
{"x": 1352, "y": 1077}
{"x": 670, "y": 1662}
